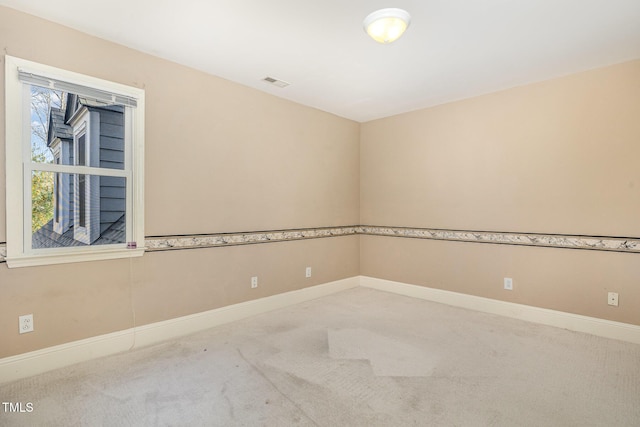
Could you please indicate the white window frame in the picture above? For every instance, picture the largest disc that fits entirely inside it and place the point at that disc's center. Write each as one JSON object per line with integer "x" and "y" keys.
{"x": 19, "y": 168}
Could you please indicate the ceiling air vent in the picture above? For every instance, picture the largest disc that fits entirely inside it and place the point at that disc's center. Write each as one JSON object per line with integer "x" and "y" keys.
{"x": 276, "y": 82}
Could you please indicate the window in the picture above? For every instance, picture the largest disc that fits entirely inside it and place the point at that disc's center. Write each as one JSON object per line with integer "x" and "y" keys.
{"x": 74, "y": 156}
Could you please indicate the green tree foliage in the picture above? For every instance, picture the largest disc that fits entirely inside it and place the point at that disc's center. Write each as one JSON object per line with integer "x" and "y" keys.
{"x": 41, "y": 199}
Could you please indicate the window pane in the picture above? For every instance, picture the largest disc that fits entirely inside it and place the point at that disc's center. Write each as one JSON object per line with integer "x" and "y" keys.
{"x": 44, "y": 103}
{"x": 61, "y": 119}
{"x": 77, "y": 210}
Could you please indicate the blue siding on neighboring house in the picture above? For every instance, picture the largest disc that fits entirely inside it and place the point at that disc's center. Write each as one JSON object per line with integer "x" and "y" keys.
{"x": 112, "y": 190}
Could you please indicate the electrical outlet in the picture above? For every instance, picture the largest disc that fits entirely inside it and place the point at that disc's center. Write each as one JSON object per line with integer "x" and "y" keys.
{"x": 254, "y": 282}
{"x": 612, "y": 299}
{"x": 25, "y": 323}
{"x": 508, "y": 283}
{"x": 307, "y": 273}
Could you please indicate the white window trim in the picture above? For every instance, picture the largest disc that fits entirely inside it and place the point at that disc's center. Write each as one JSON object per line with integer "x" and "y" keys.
{"x": 18, "y": 188}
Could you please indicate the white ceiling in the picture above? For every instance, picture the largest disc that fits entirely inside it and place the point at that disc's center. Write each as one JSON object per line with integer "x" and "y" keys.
{"x": 453, "y": 49}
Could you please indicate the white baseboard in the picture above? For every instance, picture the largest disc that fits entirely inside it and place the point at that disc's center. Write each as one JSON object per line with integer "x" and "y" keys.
{"x": 39, "y": 361}
{"x": 573, "y": 322}
{"x": 161, "y": 331}
{"x": 36, "y": 362}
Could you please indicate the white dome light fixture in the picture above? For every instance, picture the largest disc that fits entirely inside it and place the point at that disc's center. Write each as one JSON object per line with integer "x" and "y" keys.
{"x": 387, "y": 25}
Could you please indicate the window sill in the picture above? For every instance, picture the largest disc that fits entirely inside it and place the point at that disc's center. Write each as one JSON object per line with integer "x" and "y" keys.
{"x": 65, "y": 258}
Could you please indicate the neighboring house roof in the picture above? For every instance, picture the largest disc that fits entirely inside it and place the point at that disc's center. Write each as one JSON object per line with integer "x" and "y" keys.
{"x": 59, "y": 117}
{"x": 115, "y": 234}
{"x": 88, "y": 102}
{"x": 57, "y": 126}
{"x": 45, "y": 237}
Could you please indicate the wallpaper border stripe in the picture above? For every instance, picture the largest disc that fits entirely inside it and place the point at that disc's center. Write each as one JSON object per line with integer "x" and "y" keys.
{"x": 163, "y": 243}
{"x": 564, "y": 241}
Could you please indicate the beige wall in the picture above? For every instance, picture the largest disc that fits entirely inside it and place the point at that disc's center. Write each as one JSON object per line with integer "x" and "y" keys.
{"x": 569, "y": 280}
{"x": 88, "y": 299}
{"x": 554, "y": 157}
{"x": 559, "y": 156}
{"x": 220, "y": 157}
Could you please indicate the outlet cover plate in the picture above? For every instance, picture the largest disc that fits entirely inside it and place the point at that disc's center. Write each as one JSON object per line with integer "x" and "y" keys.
{"x": 612, "y": 299}
{"x": 508, "y": 283}
{"x": 25, "y": 323}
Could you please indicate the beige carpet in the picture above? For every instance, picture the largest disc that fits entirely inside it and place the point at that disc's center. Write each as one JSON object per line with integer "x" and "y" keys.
{"x": 357, "y": 358}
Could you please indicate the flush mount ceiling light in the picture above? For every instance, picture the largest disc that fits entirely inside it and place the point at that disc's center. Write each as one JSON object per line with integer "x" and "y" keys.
{"x": 387, "y": 25}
